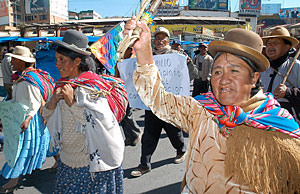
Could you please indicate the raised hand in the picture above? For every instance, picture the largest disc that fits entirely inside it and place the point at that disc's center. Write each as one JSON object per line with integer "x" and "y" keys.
{"x": 142, "y": 45}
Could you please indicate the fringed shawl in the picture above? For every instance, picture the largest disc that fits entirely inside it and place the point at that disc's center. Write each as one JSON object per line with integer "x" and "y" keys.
{"x": 268, "y": 161}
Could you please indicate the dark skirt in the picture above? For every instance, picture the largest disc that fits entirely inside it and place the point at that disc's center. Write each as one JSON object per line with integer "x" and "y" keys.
{"x": 80, "y": 180}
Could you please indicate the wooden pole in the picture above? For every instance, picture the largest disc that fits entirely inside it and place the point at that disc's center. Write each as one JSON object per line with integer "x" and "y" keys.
{"x": 290, "y": 69}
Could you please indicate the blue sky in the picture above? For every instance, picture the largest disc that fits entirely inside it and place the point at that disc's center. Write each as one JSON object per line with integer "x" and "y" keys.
{"x": 128, "y": 7}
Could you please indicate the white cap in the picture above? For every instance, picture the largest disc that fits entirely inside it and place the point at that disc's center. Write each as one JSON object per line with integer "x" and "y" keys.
{"x": 162, "y": 30}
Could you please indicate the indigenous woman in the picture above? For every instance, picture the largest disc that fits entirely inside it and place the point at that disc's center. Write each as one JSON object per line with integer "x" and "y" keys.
{"x": 87, "y": 133}
{"x": 32, "y": 87}
{"x": 241, "y": 140}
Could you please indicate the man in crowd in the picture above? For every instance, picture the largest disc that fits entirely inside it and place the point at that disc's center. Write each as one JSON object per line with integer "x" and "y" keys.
{"x": 176, "y": 45}
{"x": 203, "y": 62}
{"x": 193, "y": 72}
{"x": 153, "y": 125}
{"x": 278, "y": 46}
{"x": 7, "y": 72}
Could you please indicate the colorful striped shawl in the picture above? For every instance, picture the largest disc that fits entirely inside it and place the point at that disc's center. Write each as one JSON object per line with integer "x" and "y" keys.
{"x": 268, "y": 116}
{"x": 40, "y": 79}
{"x": 117, "y": 98}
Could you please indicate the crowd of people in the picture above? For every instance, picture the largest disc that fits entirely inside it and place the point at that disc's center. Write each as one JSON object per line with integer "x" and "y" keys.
{"x": 242, "y": 117}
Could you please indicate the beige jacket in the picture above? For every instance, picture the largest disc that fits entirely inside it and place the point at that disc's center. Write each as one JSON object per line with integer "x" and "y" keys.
{"x": 205, "y": 170}
{"x": 207, "y": 62}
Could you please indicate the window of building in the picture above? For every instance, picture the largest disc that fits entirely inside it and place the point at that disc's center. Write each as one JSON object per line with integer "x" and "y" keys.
{"x": 43, "y": 17}
{"x": 248, "y": 19}
{"x": 29, "y": 18}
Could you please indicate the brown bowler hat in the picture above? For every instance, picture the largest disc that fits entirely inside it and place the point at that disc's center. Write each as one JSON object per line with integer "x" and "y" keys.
{"x": 281, "y": 32}
{"x": 244, "y": 43}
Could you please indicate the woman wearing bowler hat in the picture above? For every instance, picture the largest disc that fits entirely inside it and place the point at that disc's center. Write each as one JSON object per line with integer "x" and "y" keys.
{"x": 82, "y": 126}
{"x": 241, "y": 140}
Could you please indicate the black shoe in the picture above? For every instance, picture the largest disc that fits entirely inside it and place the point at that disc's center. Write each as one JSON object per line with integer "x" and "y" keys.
{"x": 180, "y": 157}
{"x": 133, "y": 142}
{"x": 8, "y": 190}
{"x": 139, "y": 171}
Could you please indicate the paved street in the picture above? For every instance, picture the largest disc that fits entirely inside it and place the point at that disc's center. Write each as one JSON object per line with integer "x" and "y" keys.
{"x": 165, "y": 176}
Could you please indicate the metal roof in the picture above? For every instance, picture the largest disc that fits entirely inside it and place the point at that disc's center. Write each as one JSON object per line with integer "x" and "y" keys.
{"x": 186, "y": 19}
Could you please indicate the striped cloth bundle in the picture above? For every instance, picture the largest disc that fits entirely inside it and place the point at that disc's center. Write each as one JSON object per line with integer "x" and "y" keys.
{"x": 105, "y": 49}
{"x": 117, "y": 95}
{"x": 39, "y": 78}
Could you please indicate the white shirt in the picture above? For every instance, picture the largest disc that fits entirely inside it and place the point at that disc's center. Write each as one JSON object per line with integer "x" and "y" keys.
{"x": 29, "y": 95}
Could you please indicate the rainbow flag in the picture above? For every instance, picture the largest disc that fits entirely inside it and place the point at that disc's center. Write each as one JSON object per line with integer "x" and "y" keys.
{"x": 105, "y": 49}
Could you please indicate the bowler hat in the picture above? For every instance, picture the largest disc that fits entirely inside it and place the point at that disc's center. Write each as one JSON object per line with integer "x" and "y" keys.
{"x": 281, "y": 32}
{"x": 244, "y": 43}
{"x": 74, "y": 41}
{"x": 23, "y": 53}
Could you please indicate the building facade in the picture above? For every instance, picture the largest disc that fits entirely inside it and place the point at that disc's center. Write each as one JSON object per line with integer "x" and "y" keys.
{"x": 46, "y": 11}
{"x": 88, "y": 14}
{"x": 20, "y": 12}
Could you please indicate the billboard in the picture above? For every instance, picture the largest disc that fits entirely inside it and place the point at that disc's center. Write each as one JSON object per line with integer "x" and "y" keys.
{"x": 3, "y": 8}
{"x": 36, "y": 6}
{"x": 208, "y": 29}
{"x": 209, "y": 4}
{"x": 250, "y": 7}
{"x": 59, "y": 8}
{"x": 290, "y": 12}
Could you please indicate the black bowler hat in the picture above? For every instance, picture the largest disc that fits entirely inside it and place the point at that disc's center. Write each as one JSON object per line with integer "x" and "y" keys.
{"x": 74, "y": 41}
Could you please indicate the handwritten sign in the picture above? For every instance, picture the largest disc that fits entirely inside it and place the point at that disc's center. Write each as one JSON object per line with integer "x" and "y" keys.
{"x": 12, "y": 115}
{"x": 173, "y": 72}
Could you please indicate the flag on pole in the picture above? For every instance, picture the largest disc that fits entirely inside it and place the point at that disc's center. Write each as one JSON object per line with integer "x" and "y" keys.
{"x": 105, "y": 49}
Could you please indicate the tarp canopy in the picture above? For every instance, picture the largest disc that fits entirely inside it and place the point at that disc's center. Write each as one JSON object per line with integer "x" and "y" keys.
{"x": 191, "y": 42}
{"x": 6, "y": 39}
{"x": 21, "y": 39}
{"x": 45, "y": 60}
{"x": 91, "y": 39}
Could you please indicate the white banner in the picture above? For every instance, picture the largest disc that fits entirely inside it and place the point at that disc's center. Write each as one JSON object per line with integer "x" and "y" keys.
{"x": 12, "y": 115}
{"x": 172, "y": 69}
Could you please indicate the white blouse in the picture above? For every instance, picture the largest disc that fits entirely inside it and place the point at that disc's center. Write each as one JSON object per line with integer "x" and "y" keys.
{"x": 27, "y": 94}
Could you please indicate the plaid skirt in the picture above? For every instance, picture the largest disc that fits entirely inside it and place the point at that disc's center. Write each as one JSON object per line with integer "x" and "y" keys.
{"x": 80, "y": 180}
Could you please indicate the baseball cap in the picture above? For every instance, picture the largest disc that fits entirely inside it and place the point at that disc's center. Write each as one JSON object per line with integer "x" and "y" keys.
{"x": 176, "y": 42}
{"x": 162, "y": 30}
{"x": 203, "y": 44}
